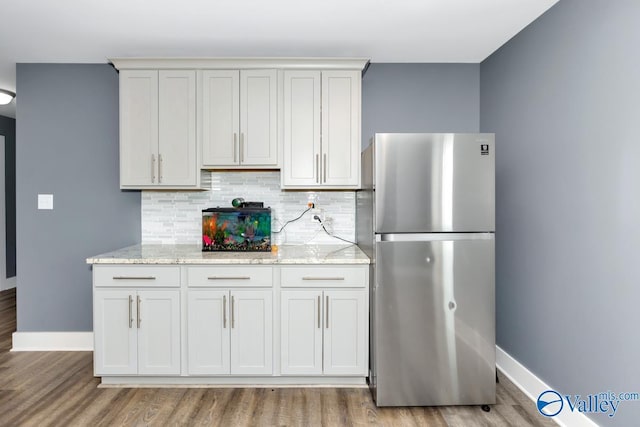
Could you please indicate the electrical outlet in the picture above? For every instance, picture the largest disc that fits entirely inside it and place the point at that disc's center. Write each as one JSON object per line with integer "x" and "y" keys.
{"x": 319, "y": 212}
{"x": 312, "y": 198}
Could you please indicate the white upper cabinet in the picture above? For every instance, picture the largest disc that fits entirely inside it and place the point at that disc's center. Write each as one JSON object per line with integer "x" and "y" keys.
{"x": 341, "y": 128}
{"x": 179, "y": 116}
{"x": 158, "y": 129}
{"x": 138, "y": 127}
{"x": 177, "y": 163}
{"x": 239, "y": 119}
{"x": 321, "y": 129}
{"x": 301, "y": 160}
{"x": 220, "y": 117}
{"x": 258, "y": 118}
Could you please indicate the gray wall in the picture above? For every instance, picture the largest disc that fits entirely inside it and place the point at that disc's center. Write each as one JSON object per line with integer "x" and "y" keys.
{"x": 420, "y": 98}
{"x": 562, "y": 98}
{"x": 67, "y": 128}
{"x": 8, "y": 129}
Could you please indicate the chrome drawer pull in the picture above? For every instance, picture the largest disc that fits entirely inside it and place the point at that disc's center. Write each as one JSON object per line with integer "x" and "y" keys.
{"x": 322, "y": 278}
{"x": 241, "y": 147}
{"x": 153, "y": 169}
{"x": 224, "y": 311}
{"x": 233, "y": 312}
{"x": 327, "y": 309}
{"x": 229, "y": 277}
{"x": 134, "y": 278}
{"x": 235, "y": 147}
{"x": 130, "y": 312}
{"x": 325, "y": 168}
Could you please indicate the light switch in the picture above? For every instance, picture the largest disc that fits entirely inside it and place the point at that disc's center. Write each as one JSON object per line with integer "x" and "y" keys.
{"x": 45, "y": 201}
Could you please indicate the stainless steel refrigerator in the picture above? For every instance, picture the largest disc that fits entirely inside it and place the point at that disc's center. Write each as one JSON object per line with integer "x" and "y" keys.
{"x": 426, "y": 218}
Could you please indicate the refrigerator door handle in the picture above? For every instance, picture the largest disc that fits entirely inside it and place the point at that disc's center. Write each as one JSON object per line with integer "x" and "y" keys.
{"x": 429, "y": 237}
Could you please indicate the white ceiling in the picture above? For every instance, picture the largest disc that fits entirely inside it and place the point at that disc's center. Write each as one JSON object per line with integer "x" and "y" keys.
{"x": 383, "y": 30}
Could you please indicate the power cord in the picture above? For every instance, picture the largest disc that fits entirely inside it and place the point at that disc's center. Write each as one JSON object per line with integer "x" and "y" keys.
{"x": 316, "y": 217}
{"x": 293, "y": 220}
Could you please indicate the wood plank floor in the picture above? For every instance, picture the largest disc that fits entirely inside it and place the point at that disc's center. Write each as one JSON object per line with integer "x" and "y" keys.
{"x": 58, "y": 389}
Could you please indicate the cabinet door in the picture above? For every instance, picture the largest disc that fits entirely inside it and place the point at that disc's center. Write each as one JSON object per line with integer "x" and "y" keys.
{"x": 115, "y": 350}
{"x": 159, "y": 332}
{"x": 301, "y": 332}
{"x": 177, "y": 128}
{"x": 345, "y": 333}
{"x": 341, "y": 128}
{"x": 301, "y": 157}
{"x": 258, "y": 117}
{"x": 220, "y": 117}
{"x": 208, "y": 337}
{"x": 138, "y": 127}
{"x": 251, "y": 333}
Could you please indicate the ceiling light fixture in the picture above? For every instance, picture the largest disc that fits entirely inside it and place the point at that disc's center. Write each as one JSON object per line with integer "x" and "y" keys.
{"x": 6, "y": 96}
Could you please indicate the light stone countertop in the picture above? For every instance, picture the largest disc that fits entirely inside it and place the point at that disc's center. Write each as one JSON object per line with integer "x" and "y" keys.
{"x": 192, "y": 254}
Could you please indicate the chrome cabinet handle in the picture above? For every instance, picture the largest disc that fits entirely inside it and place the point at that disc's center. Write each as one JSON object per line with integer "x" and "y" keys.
{"x": 235, "y": 147}
{"x": 317, "y": 168}
{"x": 241, "y": 147}
{"x": 325, "y": 167}
{"x": 322, "y": 278}
{"x": 153, "y": 168}
{"x": 130, "y": 311}
{"x": 228, "y": 278}
{"x": 159, "y": 168}
{"x": 319, "y": 312}
{"x": 224, "y": 311}
{"x": 134, "y": 278}
{"x": 233, "y": 312}
{"x": 138, "y": 309}
{"x": 327, "y": 310}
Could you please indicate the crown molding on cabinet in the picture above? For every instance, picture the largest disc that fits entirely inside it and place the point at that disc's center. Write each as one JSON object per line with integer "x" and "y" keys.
{"x": 243, "y": 63}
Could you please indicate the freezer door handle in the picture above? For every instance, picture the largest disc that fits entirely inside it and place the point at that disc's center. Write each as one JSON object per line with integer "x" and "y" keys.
{"x": 430, "y": 237}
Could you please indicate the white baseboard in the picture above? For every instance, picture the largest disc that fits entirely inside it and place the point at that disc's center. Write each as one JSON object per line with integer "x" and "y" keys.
{"x": 231, "y": 381}
{"x": 52, "y": 341}
{"x": 532, "y": 386}
{"x": 8, "y": 283}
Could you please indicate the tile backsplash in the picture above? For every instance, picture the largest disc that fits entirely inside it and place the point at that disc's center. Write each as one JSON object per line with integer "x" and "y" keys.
{"x": 174, "y": 217}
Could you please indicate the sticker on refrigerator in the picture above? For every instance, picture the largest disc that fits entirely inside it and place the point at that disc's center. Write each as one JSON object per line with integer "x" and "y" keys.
{"x": 484, "y": 149}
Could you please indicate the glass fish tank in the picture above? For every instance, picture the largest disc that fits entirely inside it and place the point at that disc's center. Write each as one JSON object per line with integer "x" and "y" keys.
{"x": 236, "y": 229}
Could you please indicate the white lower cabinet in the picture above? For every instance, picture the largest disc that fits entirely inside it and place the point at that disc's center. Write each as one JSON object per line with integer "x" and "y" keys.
{"x": 301, "y": 329}
{"x": 154, "y": 323}
{"x": 345, "y": 333}
{"x": 208, "y": 332}
{"x": 324, "y": 332}
{"x": 230, "y": 332}
{"x": 137, "y": 332}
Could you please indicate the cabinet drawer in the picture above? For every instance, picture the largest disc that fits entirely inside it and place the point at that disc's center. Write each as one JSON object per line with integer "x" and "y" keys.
{"x": 230, "y": 276}
{"x": 134, "y": 276}
{"x": 329, "y": 276}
